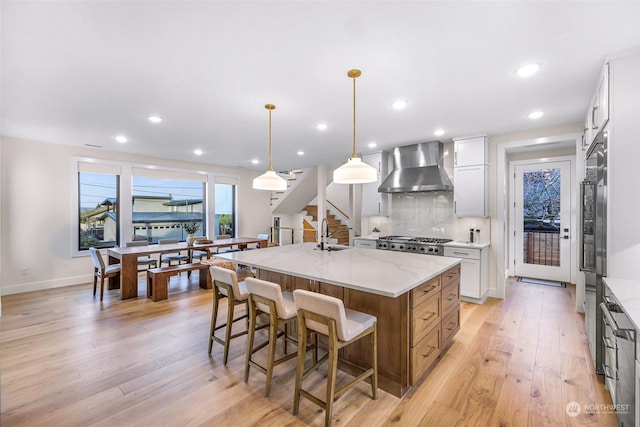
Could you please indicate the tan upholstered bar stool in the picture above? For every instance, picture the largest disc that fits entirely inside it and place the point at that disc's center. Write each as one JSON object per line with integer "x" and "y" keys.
{"x": 326, "y": 315}
{"x": 267, "y": 297}
{"x": 225, "y": 283}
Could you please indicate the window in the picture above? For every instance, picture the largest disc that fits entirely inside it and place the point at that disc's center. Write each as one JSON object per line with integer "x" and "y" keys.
{"x": 225, "y": 209}
{"x": 98, "y": 210}
{"x": 160, "y": 206}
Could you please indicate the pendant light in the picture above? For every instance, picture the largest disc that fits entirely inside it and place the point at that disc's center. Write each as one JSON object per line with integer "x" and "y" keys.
{"x": 354, "y": 171}
{"x": 270, "y": 179}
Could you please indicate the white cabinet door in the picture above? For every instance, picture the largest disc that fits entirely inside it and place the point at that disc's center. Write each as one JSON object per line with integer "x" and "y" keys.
{"x": 598, "y": 114}
{"x": 600, "y": 106}
{"x": 470, "y": 278}
{"x": 373, "y": 202}
{"x": 471, "y": 152}
{"x": 471, "y": 272}
{"x": 470, "y": 194}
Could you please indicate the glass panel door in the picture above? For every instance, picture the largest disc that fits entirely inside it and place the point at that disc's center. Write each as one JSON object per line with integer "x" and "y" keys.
{"x": 542, "y": 221}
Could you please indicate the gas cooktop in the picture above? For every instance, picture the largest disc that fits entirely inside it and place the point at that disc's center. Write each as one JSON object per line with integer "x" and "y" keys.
{"x": 420, "y": 245}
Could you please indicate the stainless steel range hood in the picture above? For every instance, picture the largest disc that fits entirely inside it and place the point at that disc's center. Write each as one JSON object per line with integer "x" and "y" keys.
{"x": 417, "y": 167}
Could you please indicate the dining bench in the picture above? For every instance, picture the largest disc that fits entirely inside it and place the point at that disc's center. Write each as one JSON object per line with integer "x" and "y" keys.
{"x": 158, "y": 279}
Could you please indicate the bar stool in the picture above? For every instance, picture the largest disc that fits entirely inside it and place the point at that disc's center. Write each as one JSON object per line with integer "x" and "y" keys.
{"x": 327, "y": 316}
{"x": 225, "y": 283}
{"x": 267, "y": 298}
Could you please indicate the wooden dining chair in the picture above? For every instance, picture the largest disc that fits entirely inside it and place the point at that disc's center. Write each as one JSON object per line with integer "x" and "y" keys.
{"x": 101, "y": 271}
{"x": 173, "y": 256}
{"x": 222, "y": 249}
{"x": 143, "y": 261}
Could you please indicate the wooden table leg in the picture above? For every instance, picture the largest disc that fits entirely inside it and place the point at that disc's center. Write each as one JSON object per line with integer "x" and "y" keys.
{"x": 129, "y": 276}
{"x": 205, "y": 279}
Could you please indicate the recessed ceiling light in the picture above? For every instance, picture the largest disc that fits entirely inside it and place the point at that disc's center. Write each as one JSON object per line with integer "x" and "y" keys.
{"x": 438, "y": 132}
{"x": 528, "y": 70}
{"x": 399, "y": 104}
{"x": 155, "y": 119}
{"x": 372, "y": 145}
{"x": 197, "y": 152}
{"x": 255, "y": 161}
{"x": 535, "y": 115}
{"x": 300, "y": 153}
{"x": 321, "y": 126}
{"x": 121, "y": 139}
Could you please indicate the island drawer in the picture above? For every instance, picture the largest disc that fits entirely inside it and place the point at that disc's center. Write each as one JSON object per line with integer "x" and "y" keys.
{"x": 450, "y": 325}
{"x": 450, "y": 297}
{"x": 424, "y": 317}
{"x": 424, "y": 291}
{"x": 425, "y": 353}
{"x": 450, "y": 276}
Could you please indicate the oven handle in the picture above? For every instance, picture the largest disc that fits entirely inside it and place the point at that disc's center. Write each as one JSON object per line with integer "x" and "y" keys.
{"x": 608, "y": 319}
{"x": 625, "y": 334}
{"x": 607, "y": 368}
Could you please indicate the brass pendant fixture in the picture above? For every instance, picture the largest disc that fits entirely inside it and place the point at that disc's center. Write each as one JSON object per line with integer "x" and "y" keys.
{"x": 354, "y": 171}
{"x": 270, "y": 179}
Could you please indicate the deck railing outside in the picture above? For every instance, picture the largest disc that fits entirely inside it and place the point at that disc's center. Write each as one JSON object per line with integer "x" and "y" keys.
{"x": 542, "y": 248}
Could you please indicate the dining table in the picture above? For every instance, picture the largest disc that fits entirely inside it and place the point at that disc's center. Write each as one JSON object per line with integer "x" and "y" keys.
{"x": 127, "y": 257}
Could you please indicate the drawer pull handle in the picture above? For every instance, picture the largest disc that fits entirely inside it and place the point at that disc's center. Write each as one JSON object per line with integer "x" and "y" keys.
{"x": 453, "y": 296}
{"x": 453, "y": 325}
{"x": 460, "y": 253}
{"x": 429, "y": 353}
{"x": 429, "y": 317}
{"x": 432, "y": 287}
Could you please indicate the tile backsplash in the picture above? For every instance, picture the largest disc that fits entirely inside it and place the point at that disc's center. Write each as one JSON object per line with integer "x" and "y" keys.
{"x": 428, "y": 214}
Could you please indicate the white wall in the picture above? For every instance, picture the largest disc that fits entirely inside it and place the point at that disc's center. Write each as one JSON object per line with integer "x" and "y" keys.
{"x": 36, "y": 211}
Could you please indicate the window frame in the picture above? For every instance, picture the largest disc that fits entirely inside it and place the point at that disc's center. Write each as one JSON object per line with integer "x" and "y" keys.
{"x": 125, "y": 216}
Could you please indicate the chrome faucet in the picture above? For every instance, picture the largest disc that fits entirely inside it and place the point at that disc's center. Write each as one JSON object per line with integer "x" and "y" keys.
{"x": 324, "y": 233}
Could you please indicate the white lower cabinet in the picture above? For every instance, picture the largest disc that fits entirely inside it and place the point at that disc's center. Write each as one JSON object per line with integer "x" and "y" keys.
{"x": 474, "y": 277}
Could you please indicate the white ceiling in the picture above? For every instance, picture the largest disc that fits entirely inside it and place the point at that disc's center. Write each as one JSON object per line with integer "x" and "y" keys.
{"x": 83, "y": 72}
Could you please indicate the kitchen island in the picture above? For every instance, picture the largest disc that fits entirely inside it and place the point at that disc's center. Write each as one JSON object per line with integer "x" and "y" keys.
{"x": 414, "y": 297}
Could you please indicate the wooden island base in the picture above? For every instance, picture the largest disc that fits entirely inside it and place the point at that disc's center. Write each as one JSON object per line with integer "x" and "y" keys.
{"x": 414, "y": 329}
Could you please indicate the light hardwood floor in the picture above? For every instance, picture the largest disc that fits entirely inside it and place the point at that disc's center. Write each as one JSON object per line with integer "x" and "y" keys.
{"x": 67, "y": 359}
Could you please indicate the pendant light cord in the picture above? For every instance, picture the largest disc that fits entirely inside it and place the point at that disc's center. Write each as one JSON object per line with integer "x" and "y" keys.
{"x": 270, "y": 107}
{"x": 354, "y": 119}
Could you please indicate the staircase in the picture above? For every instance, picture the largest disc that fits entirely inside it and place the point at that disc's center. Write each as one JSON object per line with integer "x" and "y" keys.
{"x": 337, "y": 229}
{"x": 292, "y": 178}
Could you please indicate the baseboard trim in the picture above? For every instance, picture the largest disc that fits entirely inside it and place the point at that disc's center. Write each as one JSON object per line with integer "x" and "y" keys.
{"x": 20, "y": 288}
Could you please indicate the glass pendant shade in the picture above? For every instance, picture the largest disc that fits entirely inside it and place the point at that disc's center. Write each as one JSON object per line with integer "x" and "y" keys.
{"x": 270, "y": 179}
{"x": 354, "y": 171}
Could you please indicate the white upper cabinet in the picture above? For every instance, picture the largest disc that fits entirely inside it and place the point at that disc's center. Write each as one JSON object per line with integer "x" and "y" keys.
{"x": 471, "y": 151}
{"x": 471, "y": 177}
{"x": 598, "y": 113}
{"x": 374, "y": 203}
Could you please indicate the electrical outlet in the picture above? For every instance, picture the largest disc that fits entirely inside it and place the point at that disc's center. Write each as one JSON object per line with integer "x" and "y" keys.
{"x": 24, "y": 271}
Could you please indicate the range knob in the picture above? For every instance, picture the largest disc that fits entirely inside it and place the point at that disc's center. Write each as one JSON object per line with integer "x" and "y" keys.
{"x": 430, "y": 249}
{"x": 393, "y": 246}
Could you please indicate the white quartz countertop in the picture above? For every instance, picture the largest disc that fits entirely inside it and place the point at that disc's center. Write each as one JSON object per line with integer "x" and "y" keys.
{"x": 628, "y": 293}
{"x": 461, "y": 244}
{"x": 384, "y": 273}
